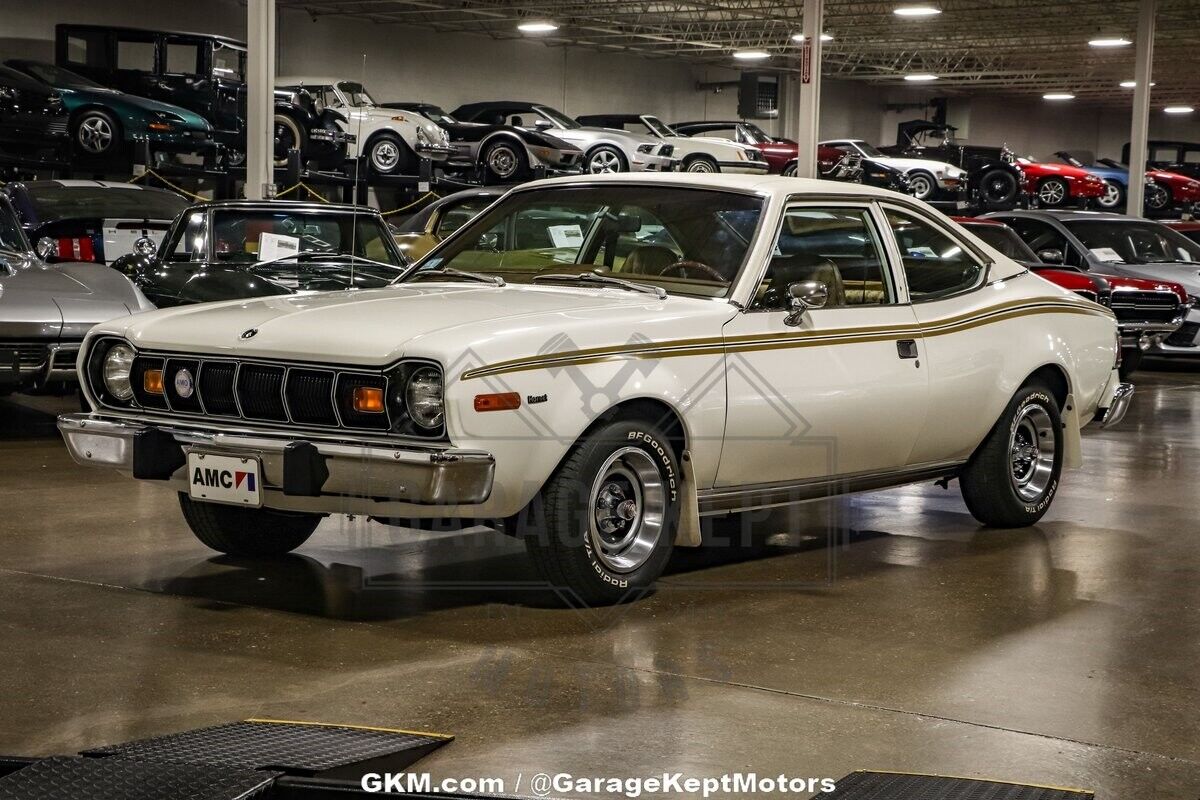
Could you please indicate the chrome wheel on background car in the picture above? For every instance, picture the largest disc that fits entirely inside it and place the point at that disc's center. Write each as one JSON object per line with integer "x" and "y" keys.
{"x": 1053, "y": 193}
{"x": 385, "y": 155}
{"x": 504, "y": 162}
{"x": 920, "y": 185}
{"x": 1033, "y": 447}
{"x": 603, "y": 160}
{"x": 702, "y": 164}
{"x": 1158, "y": 197}
{"x": 96, "y": 133}
{"x": 629, "y": 505}
{"x": 1113, "y": 196}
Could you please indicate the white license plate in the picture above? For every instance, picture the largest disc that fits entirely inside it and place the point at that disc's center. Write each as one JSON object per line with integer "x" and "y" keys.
{"x": 225, "y": 479}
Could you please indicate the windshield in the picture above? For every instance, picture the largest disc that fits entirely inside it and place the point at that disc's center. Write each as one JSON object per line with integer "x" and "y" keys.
{"x": 1004, "y": 239}
{"x": 1134, "y": 242}
{"x": 688, "y": 241}
{"x": 755, "y": 134}
{"x": 61, "y": 78}
{"x": 356, "y": 96}
{"x": 557, "y": 117}
{"x": 436, "y": 114}
{"x": 237, "y": 236}
{"x": 657, "y": 126}
{"x": 52, "y": 202}
{"x": 868, "y": 150}
{"x": 229, "y": 62}
{"x": 11, "y": 237}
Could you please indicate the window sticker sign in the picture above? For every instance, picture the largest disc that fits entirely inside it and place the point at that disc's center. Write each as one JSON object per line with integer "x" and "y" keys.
{"x": 566, "y": 235}
{"x": 274, "y": 245}
{"x": 1106, "y": 254}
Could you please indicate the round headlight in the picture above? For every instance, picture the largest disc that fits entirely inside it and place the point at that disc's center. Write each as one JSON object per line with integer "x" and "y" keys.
{"x": 423, "y": 397}
{"x": 118, "y": 362}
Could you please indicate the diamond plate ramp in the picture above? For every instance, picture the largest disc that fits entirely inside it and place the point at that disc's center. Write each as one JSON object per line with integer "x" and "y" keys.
{"x": 74, "y": 778}
{"x": 902, "y": 786}
{"x": 297, "y": 748}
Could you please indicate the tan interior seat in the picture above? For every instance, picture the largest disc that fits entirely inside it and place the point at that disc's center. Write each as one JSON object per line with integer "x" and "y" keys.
{"x": 803, "y": 267}
{"x": 649, "y": 259}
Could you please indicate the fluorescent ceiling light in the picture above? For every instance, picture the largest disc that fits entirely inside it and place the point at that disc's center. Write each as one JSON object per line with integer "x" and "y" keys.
{"x": 799, "y": 37}
{"x": 540, "y": 26}
{"x": 1058, "y": 96}
{"x": 1133, "y": 84}
{"x": 751, "y": 55}
{"x": 1109, "y": 41}
{"x": 1179, "y": 109}
{"x": 920, "y": 77}
{"x": 916, "y": 11}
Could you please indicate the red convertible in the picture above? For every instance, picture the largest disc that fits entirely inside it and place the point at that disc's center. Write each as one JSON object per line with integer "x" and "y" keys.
{"x": 1146, "y": 310}
{"x": 1056, "y": 185}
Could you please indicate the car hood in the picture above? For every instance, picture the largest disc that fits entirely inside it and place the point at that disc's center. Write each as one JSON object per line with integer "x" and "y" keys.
{"x": 1186, "y": 275}
{"x": 1042, "y": 169}
{"x": 612, "y": 133}
{"x": 447, "y": 321}
{"x": 62, "y": 296}
{"x": 115, "y": 98}
{"x": 906, "y": 164}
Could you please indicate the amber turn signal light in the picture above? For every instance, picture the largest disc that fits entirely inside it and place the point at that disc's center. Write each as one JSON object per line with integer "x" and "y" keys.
{"x": 368, "y": 400}
{"x": 504, "y": 401}
{"x": 152, "y": 381}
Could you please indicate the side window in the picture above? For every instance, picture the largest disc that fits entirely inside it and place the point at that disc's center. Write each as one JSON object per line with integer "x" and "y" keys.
{"x": 935, "y": 265}
{"x": 836, "y": 246}
{"x": 85, "y": 49}
{"x": 1191, "y": 156}
{"x": 183, "y": 58}
{"x": 1164, "y": 154}
{"x": 135, "y": 55}
{"x": 458, "y": 216}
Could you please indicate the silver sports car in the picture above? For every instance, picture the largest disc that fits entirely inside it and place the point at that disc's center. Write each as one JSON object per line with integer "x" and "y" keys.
{"x": 45, "y": 309}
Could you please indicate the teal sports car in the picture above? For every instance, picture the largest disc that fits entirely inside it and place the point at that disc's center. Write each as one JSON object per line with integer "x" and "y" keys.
{"x": 104, "y": 122}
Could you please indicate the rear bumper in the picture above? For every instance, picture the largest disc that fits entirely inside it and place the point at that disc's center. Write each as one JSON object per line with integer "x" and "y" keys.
{"x": 324, "y": 473}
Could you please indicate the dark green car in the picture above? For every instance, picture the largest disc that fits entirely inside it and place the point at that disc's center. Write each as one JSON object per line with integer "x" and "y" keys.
{"x": 104, "y": 122}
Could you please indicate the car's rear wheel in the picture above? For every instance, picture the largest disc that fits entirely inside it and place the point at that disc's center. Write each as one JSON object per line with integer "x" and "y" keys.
{"x": 610, "y": 510}
{"x": 701, "y": 164}
{"x": 1113, "y": 197}
{"x": 921, "y": 185}
{"x": 97, "y": 133}
{"x": 1012, "y": 477}
{"x": 505, "y": 162}
{"x": 1158, "y": 197}
{"x": 604, "y": 159}
{"x": 253, "y": 532}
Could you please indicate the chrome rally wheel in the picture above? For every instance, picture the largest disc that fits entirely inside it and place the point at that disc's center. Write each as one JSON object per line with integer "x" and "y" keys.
{"x": 628, "y": 505}
{"x": 1032, "y": 446}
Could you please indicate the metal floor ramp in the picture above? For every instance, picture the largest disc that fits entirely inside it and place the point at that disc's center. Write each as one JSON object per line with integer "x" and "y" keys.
{"x": 903, "y": 786}
{"x": 237, "y": 761}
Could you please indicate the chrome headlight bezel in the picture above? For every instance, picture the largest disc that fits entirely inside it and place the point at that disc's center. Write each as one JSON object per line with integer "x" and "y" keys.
{"x": 103, "y": 376}
{"x": 408, "y": 405}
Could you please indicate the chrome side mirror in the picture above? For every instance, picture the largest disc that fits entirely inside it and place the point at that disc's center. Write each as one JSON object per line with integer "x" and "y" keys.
{"x": 801, "y": 297}
{"x": 1051, "y": 256}
{"x": 145, "y": 246}
{"x": 46, "y": 247}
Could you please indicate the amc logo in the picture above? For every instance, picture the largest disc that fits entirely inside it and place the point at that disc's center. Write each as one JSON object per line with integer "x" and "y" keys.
{"x": 223, "y": 478}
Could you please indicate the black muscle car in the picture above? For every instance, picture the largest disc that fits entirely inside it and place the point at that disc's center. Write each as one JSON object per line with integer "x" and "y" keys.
{"x": 202, "y": 73}
{"x": 245, "y": 248}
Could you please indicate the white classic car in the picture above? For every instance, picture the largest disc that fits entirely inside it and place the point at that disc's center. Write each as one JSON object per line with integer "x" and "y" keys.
{"x": 391, "y": 140}
{"x": 694, "y": 153}
{"x": 926, "y": 178}
{"x": 596, "y": 362}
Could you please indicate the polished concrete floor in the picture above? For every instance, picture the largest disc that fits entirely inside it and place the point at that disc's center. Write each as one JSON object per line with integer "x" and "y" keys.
{"x": 1065, "y": 654}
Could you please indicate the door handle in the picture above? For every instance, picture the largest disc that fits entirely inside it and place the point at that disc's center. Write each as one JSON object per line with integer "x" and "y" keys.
{"x": 907, "y": 348}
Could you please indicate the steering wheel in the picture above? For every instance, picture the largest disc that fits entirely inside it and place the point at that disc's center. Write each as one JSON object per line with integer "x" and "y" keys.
{"x": 683, "y": 266}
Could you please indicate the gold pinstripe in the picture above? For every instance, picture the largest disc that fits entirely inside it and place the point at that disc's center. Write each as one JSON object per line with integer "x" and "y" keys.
{"x": 757, "y": 342}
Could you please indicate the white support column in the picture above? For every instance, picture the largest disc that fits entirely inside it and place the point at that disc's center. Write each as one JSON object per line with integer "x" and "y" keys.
{"x": 808, "y": 110}
{"x": 1141, "y": 109}
{"x": 260, "y": 104}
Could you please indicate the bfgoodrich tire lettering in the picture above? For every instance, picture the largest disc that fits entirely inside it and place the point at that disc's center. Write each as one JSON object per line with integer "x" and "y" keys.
{"x": 1013, "y": 476}
{"x": 608, "y": 515}
{"x": 255, "y": 532}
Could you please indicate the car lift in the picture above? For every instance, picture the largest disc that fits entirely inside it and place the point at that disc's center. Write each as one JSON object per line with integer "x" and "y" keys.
{"x": 261, "y": 759}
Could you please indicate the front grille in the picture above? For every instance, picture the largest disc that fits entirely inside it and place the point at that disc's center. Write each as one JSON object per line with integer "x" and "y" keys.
{"x": 1185, "y": 336}
{"x": 1145, "y": 306}
{"x": 33, "y": 356}
{"x": 260, "y": 392}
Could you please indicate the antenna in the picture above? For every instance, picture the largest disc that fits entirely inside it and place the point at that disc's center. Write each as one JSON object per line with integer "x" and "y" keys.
{"x": 362, "y": 83}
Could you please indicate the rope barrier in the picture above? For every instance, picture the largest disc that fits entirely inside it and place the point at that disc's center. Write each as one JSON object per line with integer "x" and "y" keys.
{"x": 416, "y": 202}
{"x": 179, "y": 189}
{"x": 301, "y": 185}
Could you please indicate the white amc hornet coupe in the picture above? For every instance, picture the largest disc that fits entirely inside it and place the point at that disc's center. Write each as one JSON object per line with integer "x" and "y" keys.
{"x": 595, "y": 363}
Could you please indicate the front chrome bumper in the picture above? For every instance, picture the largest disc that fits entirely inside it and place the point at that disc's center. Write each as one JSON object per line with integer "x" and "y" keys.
{"x": 1118, "y": 405}
{"x": 373, "y": 471}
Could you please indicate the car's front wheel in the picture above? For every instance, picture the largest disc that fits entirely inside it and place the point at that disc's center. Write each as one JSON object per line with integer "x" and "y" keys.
{"x": 254, "y": 532}
{"x": 1158, "y": 197}
{"x": 97, "y": 134}
{"x": 921, "y": 185}
{"x": 610, "y": 512}
{"x": 605, "y": 158}
{"x": 1113, "y": 197}
{"x": 1053, "y": 193}
{"x": 388, "y": 155}
{"x": 701, "y": 164}
{"x": 1012, "y": 477}
{"x": 505, "y": 162}
{"x": 288, "y": 136}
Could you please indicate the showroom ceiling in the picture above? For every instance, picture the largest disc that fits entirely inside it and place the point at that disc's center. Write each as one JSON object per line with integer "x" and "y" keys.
{"x": 1022, "y": 46}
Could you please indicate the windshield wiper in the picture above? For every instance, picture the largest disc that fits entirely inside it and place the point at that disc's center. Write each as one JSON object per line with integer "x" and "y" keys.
{"x": 495, "y": 280}
{"x": 326, "y": 257}
{"x": 607, "y": 280}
